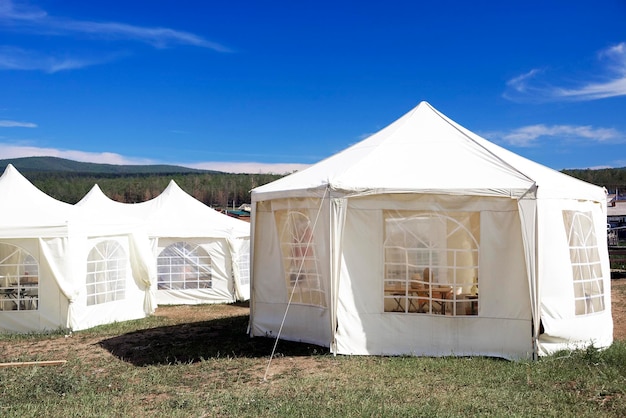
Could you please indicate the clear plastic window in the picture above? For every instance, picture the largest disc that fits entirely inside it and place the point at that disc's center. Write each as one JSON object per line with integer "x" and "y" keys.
{"x": 243, "y": 263}
{"x": 585, "y": 259}
{"x": 19, "y": 279}
{"x": 431, "y": 262}
{"x": 184, "y": 266}
{"x": 106, "y": 273}
{"x": 300, "y": 261}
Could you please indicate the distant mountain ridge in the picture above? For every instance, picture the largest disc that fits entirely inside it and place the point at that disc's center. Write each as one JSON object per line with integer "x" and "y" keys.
{"x": 62, "y": 165}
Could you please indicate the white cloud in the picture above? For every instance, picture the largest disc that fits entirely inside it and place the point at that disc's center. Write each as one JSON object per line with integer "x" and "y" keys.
{"x": 12, "y": 58}
{"x": 34, "y": 20}
{"x": 10, "y": 11}
{"x": 157, "y": 37}
{"x": 529, "y": 135}
{"x": 16, "y": 124}
{"x": 18, "y": 151}
{"x": 609, "y": 81}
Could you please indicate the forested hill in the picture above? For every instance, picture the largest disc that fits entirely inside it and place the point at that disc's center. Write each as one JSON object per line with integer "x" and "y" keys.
{"x": 69, "y": 181}
{"x": 61, "y": 165}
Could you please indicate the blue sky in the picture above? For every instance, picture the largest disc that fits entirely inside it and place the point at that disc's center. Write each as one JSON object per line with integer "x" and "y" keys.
{"x": 251, "y": 86}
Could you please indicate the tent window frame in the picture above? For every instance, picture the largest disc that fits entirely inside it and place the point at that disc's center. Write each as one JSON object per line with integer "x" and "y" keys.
{"x": 106, "y": 273}
{"x": 184, "y": 266}
{"x": 300, "y": 261}
{"x": 243, "y": 265}
{"x": 431, "y": 263}
{"x": 19, "y": 279}
{"x": 587, "y": 275}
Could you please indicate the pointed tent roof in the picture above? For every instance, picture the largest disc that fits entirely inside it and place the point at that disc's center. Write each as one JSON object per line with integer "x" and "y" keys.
{"x": 27, "y": 211}
{"x": 101, "y": 205}
{"x": 175, "y": 213}
{"x": 424, "y": 151}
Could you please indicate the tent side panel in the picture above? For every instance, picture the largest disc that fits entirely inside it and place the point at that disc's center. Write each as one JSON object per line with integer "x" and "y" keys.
{"x": 52, "y": 305}
{"x": 270, "y": 294}
{"x": 130, "y": 307}
{"x": 222, "y": 288}
{"x": 573, "y": 268}
{"x": 502, "y": 326}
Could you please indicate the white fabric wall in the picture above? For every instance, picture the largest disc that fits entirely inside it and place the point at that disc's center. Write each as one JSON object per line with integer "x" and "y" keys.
{"x": 306, "y": 323}
{"x": 240, "y": 248}
{"x": 564, "y": 329}
{"x": 503, "y": 326}
{"x": 52, "y": 309}
{"x": 222, "y": 290}
{"x": 87, "y": 316}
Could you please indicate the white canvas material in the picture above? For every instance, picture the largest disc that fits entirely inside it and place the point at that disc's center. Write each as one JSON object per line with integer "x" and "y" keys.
{"x": 174, "y": 217}
{"x": 424, "y": 164}
{"x": 60, "y": 238}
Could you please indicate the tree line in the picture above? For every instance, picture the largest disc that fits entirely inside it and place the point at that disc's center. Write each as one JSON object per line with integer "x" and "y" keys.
{"x": 218, "y": 190}
{"x": 613, "y": 179}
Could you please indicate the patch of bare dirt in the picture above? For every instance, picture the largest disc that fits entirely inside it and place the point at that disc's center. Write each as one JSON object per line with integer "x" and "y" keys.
{"x": 188, "y": 328}
{"x": 618, "y": 307}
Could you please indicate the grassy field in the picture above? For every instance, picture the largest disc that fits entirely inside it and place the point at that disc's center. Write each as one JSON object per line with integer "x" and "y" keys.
{"x": 166, "y": 365}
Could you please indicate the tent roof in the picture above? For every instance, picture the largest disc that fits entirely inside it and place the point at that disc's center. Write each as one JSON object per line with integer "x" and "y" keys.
{"x": 100, "y": 204}
{"x": 26, "y": 210}
{"x": 174, "y": 213}
{"x": 426, "y": 152}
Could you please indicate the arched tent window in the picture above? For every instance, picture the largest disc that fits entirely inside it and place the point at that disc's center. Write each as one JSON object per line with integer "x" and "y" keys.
{"x": 243, "y": 263}
{"x": 184, "y": 266}
{"x": 585, "y": 259}
{"x": 19, "y": 279}
{"x": 431, "y": 262}
{"x": 106, "y": 273}
{"x": 300, "y": 262}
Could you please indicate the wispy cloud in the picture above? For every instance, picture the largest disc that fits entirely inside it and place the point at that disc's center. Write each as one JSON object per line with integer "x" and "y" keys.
{"x": 10, "y": 11}
{"x": 21, "y": 17}
{"x": 8, "y": 150}
{"x": 527, "y": 136}
{"x": 28, "y": 19}
{"x": 12, "y": 58}
{"x": 609, "y": 81}
{"x": 16, "y": 124}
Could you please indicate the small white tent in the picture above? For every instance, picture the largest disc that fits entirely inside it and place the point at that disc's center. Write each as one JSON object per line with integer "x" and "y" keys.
{"x": 62, "y": 270}
{"x": 426, "y": 239}
{"x": 202, "y": 255}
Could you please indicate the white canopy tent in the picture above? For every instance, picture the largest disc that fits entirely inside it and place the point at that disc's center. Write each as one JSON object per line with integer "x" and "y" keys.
{"x": 426, "y": 239}
{"x": 202, "y": 255}
{"x": 60, "y": 269}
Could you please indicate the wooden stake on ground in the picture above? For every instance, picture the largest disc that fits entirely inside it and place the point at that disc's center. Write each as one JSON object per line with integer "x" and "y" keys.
{"x": 34, "y": 363}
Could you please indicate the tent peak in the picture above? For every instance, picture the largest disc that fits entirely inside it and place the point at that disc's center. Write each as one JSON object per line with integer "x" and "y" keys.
{"x": 10, "y": 168}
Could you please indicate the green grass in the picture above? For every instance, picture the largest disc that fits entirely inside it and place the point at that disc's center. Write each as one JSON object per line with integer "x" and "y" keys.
{"x": 153, "y": 368}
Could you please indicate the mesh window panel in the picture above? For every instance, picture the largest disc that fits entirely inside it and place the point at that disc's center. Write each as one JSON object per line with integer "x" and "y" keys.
{"x": 184, "y": 266}
{"x": 431, "y": 262}
{"x": 300, "y": 261}
{"x": 19, "y": 279}
{"x": 585, "y": 259}
{"x": 106, "y": 273}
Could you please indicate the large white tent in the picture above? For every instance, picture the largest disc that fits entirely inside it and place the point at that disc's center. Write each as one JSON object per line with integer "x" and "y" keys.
{"x": 61, "y": 269}
{"x": 202, "y": 255}
{"x": 426, "y": 239}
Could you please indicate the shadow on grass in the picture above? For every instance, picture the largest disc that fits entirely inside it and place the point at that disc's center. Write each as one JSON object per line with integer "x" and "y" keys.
{"x": 193, "y": 342}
